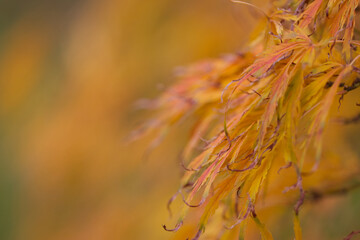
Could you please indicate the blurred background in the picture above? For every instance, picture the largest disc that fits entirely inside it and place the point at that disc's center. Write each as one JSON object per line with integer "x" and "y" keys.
{"x": 70, "y": 73}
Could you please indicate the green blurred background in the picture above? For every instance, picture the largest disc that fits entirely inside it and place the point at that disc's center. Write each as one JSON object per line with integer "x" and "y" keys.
{"x": 70, "y": 73}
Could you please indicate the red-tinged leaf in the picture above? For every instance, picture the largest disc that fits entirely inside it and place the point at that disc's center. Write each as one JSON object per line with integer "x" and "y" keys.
{"x": 309, "y": 14}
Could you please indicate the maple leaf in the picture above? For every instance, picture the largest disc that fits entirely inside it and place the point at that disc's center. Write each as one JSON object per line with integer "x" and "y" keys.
{"x": 262, "y": 110}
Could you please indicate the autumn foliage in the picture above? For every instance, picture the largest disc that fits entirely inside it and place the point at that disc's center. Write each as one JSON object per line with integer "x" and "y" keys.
{"x": 260, "y": 114}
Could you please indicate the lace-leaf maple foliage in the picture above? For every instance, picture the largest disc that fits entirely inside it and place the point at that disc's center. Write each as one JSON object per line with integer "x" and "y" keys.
{"x": 264, "y": 110}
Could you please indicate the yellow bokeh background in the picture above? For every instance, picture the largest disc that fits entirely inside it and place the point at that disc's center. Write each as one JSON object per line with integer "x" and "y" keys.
{"x": 70, "y": 74}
